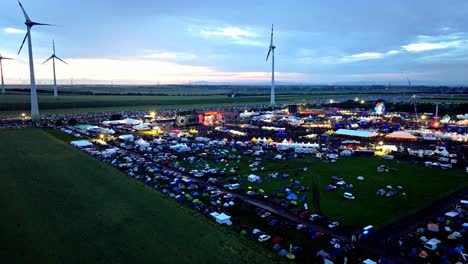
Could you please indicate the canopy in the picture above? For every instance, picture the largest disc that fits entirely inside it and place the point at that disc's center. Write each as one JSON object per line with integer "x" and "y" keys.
{"x": 401, "y": 135}
{"x": 81, "y": 143}
{"x": 355, "y": 133}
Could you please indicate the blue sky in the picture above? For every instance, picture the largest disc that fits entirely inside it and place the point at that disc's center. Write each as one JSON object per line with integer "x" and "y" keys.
{"x": 176, "y": 41}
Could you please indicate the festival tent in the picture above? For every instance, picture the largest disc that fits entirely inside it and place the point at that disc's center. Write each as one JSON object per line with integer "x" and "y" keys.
{"x": 355, "y": 133}
{"x": 131, "y": 121}
{"x": 81, "y": 143}
{"x": 401, "y": 135}
{"x": 141, "y": 127}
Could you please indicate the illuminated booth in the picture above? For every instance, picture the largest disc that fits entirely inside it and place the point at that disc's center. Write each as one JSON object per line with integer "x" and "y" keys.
{"x": 210, "y": 118}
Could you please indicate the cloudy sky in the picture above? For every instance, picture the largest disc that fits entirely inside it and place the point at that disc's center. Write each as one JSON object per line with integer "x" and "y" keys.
{"x": 176, "y": 41}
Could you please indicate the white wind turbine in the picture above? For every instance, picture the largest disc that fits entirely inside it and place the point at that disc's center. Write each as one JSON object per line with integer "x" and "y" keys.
{"x": 414, "y": 99}
{"x": 272, "y": 50}
{"x": 29, "y": 24}
{"x": 53, "y": 57}
{"x": 1, "y": 70}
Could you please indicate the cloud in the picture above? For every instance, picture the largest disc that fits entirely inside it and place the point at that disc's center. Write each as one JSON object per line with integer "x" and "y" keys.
{"x": 137, "y": 71}
{"x": 392, "y": 52}
{"x": 169, "y": 55}
{"x": 425, "y": 46}
{"x": 427, "y": 43}
{"x": 237, "y": 35}
{"x": 232, "y": 32}
{"x": 10, "y": 30}
{"x": 369, "y": 55}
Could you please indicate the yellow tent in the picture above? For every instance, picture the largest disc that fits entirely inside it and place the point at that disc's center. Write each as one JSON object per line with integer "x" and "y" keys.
{"x": 270, "y": 140}
{"x": 254, "y": 139}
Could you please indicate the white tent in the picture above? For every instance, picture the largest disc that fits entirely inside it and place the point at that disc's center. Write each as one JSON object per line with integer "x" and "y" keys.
{"x": 81, "y": 143}
{"x": 127, "y": 137}
{"x": 253, "y": 178}
{"x": 401, "y": 135}
{"x": 131, "y": 121}
{"x": 141, "y": 127}
{"x": 142, "y": 143}
{"x": 202, "y": 139}
{"x": 222, "y": 218}
{"x": 110, "y": 151}
{"x": 346, "y": 153}
{"x": 444, "y": 153}
{"x": 355, "y": 133}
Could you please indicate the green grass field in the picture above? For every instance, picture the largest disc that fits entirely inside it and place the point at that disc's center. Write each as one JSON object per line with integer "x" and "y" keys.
{"x": 422, "y": 185}
{"x": 61, "y": 206}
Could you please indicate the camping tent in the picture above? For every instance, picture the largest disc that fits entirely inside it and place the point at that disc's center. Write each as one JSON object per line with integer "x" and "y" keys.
{"x": 142, "y": 143}
{"x": 127, "y": 137}
{"x": 346, "y": 153}
{"x": 222, "y": 218}
{"x": 253, "y": 178}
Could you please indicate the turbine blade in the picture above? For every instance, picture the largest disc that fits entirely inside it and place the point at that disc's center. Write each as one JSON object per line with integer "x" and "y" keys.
{"x": 41, "y": 24}
{"x": 24, "y": 12}
{"x": 271, "y": 41}
{"x": 60, "y": 59}
{"x": 3, "y": 58}
{"x": 48, "y": 59}
{"x": 268, "y": 55}
{"x": 24, "y": 40}
{"x": 53, "y": 45}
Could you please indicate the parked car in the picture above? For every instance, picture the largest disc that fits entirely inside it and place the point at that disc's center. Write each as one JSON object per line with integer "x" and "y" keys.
{"x": 265, "y": 214}
{"x": 333, "y": 225}
{"x": 349, "y": 196}
{"x": 315, "y": 217}
{"x": 263, "y": 238}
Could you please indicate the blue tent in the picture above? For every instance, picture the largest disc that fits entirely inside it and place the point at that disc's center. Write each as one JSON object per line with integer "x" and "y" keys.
{"x": 195, "y": 194}
{"x": 282, "y": 253}
{"x": 291, "y": 196}
{"x": 276, "y": 247}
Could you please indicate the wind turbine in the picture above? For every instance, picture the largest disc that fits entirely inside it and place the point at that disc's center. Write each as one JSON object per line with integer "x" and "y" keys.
{"x": 1, "y": 70}
{"x": 414, "y": 100}
{"x": 272, "y": 50}
{"x": 29, "y": 24}
{"x": 53, "y": 57}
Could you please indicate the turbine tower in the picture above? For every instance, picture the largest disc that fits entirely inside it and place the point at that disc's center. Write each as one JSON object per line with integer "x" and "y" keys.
{"x": 53, "y": 57}
{"x": 272, "y": 50}
{"x": 1, "y": 70}
{"x": 29, "y": 24}
{"x": 414, "y": 100}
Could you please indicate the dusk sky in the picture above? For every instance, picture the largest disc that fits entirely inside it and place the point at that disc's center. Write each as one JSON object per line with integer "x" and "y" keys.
{"x": 318, "y": 42}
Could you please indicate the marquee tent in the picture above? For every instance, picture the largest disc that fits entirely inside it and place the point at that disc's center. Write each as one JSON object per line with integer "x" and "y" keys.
{"x": 401, "y": 135}
{"x": 355, "y": 133}
{"x": 81, "y": 143}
